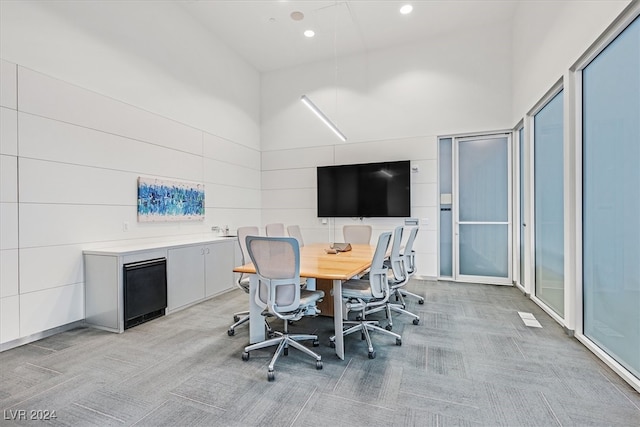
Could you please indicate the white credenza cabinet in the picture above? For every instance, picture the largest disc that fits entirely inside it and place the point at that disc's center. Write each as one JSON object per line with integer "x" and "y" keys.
{"x": 197, "y": 272}
{"x": 197, "y": 269}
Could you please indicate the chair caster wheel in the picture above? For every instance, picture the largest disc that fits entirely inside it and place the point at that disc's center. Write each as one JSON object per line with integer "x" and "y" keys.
{"x": 416, "y": 321}
{"x": 332, "y": 344}
{"x": 398, "y": 341}
{"x": 318, "y": 364}
{"x": 372, "y": 354}
{"x": 362, "y": 337}
{"x": 231, "y": 332}
{"x": 358, "y": 318}
{"x": 388, "y": 327}
{"x": 421, "y": 301}
{"x": 245, "y": 356}
{"x": 316, "y": 343}
{"x": 235, "y": 319}
{"x": 285, "y": 351}
{"x": 271, "y": 376}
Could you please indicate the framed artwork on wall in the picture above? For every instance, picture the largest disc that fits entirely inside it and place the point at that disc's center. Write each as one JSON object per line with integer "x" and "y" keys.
{"x": 166, "y": 200}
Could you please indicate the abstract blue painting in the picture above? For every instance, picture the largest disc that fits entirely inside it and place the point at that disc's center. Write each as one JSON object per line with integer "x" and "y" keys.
{"x": 165, "y": 200}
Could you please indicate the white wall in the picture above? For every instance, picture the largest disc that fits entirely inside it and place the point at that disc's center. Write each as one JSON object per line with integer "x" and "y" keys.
{"x": 548, "y": 37}
{"x": 149, "y": 54}
{"x": 391, "y": 105}
{"x": 9, "y": 299}
{"x": 86, "y": 108}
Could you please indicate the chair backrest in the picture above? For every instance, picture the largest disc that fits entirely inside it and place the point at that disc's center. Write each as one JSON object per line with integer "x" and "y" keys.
{"x": 277, "y": 263}
{"x": 294, "y": 231}
{"x": 357, "y": 233}
{"x": 395, "y": 258}
{"x": 242, "y": 233}
{"x": 275, "y": 230}
{"x": 409, "y": 254}
{"x": 378, "y": 272}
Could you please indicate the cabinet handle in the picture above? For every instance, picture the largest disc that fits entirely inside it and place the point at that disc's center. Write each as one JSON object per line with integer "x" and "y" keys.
{"x": 206, "y": 251}
{"x": 201, "y": 251}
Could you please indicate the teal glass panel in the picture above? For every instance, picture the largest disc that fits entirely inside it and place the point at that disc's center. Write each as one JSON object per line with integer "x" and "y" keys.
{"x": 446, "y": 224}
{"x": 484, "y": 250}
{"x": 522, "y": 196}
{"x": 611, "y": 199}
{"x": 483, "y": 177}
{"x": 549, "y": 208}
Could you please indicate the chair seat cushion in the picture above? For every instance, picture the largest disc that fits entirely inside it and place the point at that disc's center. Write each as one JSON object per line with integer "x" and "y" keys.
{"x": 244, "y": 284}
{"x": 357, "y": 288}
{"x": 310, "y": 297}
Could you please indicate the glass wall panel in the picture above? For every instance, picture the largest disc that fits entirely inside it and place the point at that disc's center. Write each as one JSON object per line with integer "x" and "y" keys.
{"x": 611, "y": 199}
{"x": 521, "y": 185}
{"x": 548, "y": 200}
{"x": 446, "y": 224}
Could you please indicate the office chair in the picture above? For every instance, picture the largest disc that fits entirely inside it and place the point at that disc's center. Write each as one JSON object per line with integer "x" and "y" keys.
{"x": 409, "y": 256}
{"x": 398, "y": 277}
{"x": 243, "y": 281}
{"x": 294, "y": 231}
{"x": 361, "y": 295}
{"x": 277, "y": 263}
{"x": 357, "y": 233}
{"x": 275, "y": 230}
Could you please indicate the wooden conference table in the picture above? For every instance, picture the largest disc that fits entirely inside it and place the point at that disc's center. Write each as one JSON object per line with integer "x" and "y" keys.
{"x": 317, "y": 264}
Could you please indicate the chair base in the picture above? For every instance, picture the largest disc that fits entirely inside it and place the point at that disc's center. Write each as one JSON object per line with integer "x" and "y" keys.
{"x": 284, "y": 341}
{"x": 244, "y": 319}
{"x": 398, "y": 308}
{"x": 404, "y": 293}
{"x": 364, "y": 326}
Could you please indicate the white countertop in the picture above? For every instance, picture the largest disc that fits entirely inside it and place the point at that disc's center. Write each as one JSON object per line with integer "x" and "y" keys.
{"x": 134, "y": 247}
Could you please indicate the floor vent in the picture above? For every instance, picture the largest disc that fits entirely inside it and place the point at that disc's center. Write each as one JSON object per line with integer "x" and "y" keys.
{"x": 529, "y": 320}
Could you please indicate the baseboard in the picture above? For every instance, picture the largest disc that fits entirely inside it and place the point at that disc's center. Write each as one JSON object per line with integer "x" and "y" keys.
{"x": 40, "y": 335}
{"x": 421, "y": 277}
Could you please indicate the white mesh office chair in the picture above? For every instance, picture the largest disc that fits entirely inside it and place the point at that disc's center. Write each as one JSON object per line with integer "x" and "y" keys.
{"x": 409, "y": 257}
{"x": 398, "y": 277}
{"x": 357, "y": 233}
{"x": 277, "y": 263}
{"x": 361, "y": 295}
{"x": 243, "y": 281}
{"x": 294, "y": 231}
{"x": 275, "y": 230}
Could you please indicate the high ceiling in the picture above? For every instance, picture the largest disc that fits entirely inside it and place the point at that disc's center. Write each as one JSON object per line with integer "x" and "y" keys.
{"x": 264, "y": 33}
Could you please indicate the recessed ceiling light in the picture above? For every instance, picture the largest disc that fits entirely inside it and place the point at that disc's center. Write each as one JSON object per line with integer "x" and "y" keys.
{"x": 406, "y": 9}
{"x": 297, "y": 15}
{"x": 309, "y": 33}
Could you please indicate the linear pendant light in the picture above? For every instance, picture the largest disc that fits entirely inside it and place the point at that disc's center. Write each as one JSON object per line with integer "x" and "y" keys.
{"x": 306, "y": 101}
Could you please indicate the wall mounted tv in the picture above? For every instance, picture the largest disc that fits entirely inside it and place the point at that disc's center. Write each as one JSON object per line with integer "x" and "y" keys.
{"x": 365, "y": 190}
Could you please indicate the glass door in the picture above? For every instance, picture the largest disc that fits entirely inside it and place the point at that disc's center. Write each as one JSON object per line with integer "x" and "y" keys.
{"x": 483, "y": 209}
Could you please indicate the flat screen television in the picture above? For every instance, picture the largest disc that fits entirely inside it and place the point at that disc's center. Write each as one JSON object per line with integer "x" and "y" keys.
{"x": 365, "y": 190}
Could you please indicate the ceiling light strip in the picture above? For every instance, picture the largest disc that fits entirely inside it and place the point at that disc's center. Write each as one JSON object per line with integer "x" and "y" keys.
{"x": 306, "y": 101}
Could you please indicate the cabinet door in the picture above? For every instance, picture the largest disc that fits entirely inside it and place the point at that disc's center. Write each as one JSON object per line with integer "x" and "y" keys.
{"x": 219, "y": 267}
{"x": 185, "y": 276}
